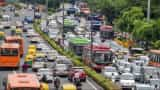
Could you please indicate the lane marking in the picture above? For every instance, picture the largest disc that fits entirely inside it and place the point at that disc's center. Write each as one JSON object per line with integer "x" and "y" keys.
{"x": 93, "y": 86}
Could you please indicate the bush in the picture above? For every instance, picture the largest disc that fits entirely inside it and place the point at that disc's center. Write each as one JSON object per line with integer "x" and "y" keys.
{"x": 105, "y": 83}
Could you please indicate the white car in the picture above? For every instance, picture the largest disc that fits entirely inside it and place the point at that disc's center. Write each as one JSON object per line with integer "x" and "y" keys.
{"x": 127, "y": 80}
{"x": 47, "y": 72}
{"x": 123, "y": 66}
{"x": 61, "y": 69}
{"x": 52, "y": 34}
{"x": 37, "y": 65}
{"x": 110, "y": 72}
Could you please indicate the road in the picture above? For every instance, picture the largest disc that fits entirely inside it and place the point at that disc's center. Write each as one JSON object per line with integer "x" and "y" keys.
{"x": 88, "y": 85}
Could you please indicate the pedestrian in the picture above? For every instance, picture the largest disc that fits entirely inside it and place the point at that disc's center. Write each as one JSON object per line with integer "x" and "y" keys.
{"x": 25, "y": 67}
{"x": 44, "y": 78}
{"x": 56, "y": 82}
{"x": 4, "y": 83}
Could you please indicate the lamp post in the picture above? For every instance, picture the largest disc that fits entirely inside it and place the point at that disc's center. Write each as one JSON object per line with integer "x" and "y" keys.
{"x": 63, "y": 23}
{"x": 148, "y": 10}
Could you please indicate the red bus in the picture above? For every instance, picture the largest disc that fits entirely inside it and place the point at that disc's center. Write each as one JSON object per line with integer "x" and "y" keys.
{"x": 2, "y": 2}
{"x": 154, "y": 58}
{"x": 101, "y": 56}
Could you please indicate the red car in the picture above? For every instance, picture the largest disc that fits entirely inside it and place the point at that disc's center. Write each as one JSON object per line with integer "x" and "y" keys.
{"x": 74, "y": 70}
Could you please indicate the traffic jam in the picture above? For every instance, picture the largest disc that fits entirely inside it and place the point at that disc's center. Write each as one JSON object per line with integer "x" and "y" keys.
{"x": 28, "y": 62}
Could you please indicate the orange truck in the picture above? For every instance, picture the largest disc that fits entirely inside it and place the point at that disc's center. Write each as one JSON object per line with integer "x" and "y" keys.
{"x": 16, "y": 39}
{"x": 9, "y": 55}
{"x": 23, "y": 81}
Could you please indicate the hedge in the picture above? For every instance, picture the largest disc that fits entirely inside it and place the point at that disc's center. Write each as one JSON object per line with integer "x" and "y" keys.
{"x": 101, "y": 80}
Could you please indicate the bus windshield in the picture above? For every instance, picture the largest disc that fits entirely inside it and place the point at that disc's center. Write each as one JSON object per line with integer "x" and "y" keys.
{"x": 102, "y": 58}
{"x": 9, "y": 52}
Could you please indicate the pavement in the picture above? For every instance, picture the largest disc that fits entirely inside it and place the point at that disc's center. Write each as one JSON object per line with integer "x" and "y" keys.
{"x": 88, "y": 85}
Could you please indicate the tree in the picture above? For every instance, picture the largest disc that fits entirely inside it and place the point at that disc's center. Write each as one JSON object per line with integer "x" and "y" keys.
{"x": 110, "y": 8}
{"x": 126, "y": 20}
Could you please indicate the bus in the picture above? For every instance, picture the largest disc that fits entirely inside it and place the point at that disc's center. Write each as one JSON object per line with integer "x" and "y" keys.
{"x": 106, "y": 32}
{"x": 2, "y": 2}
{"x": 9, "y": 55}
{"x": 154, "y": 58}
{"x": 101, "y": 56}
{"x": 23, "y": 81}
{"x": 76, "y": 44}
{"x": 16, "y": 39}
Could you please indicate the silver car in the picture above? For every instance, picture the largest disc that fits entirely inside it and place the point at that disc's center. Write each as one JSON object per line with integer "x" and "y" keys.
{"x": 61, "y": 69}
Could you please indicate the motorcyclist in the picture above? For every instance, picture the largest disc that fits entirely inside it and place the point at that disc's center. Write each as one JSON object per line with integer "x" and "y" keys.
{"x": 76, "y": 79}
{"x": 56, "y": 82}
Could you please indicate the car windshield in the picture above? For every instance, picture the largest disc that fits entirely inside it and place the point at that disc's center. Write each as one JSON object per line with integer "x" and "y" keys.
{"x": 61, "y": 67}
{"x": 110, "y": 69}
{"x": 46, "y": 71}
{"x": 126, "y": 77}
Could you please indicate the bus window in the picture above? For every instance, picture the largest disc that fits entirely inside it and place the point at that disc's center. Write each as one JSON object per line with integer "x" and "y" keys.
{"x": 25, "y": 88}
{"x": 9, "y": 52}
{"x": 14, "y": 52}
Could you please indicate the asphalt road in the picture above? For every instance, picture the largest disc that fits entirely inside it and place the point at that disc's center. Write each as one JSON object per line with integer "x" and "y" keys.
{"x": 88, "y": 85}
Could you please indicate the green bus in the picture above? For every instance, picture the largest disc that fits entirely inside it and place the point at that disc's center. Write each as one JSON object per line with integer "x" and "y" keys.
{"x": 69, "y": 25}
{"x": 77, "y": 44}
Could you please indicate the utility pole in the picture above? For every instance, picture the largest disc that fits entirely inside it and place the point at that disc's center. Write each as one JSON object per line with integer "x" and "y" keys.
{"x": 148, "y": 10}
{"x": 63, "y": 23}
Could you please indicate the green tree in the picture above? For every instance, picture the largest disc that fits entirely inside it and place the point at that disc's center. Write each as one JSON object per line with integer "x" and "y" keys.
{"x": 110, "y": 8}
{"x": 126, "y": 20}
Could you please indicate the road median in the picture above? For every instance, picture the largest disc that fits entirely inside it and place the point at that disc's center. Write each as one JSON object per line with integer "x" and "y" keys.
{"x": 98, "y": 78}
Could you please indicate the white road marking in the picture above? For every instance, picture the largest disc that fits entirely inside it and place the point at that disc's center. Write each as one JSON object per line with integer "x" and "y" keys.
{"x": 91, "y": 85}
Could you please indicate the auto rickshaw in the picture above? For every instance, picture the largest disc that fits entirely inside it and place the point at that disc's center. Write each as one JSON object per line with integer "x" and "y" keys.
{"x": 2, "y": 34}
{"x": 18, "y": 32}
{"x": 32, "y": 52}
{"x": 29, "y": 59}
{"x": 32, "y": 47}
{"x": 45, "y": 86}
{"x": 38, "y": 54}
{"x": 69, "y": 86}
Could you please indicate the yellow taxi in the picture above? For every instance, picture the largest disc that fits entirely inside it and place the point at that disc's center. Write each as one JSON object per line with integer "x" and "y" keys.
{"x": 39, "y": 54}
{"x": 32, "y": 52}
{"x": 32, "y": 47}
{"x": 2, "y": 34}
{"x": 18, "y": 31}
{"x": 45, "y": 86}
{"x": 68, "y": 86}
{"x": 29, "y": 59}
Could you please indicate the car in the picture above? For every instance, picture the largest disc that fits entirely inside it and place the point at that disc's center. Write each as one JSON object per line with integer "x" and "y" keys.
{"x": 155, "y": 83}
{"x": 37, "y": 65}
{"x": 61, "y": 69}
{"x": 51, "y": 57}
{"x": 37, "y": 15}
{"x": 123, "y": 66}
{"x": 71, "y": 11}
{"x": 79, "y": 70}
{"x": 35, "y": 40}
{"x": 127, "y": 80}
{"x": 27, "y": 28}
{"x": 110, "y": 72}
{"x": 148, "y": 73}
{"x": 47, "y": 72}
{"x": 19, "y": 24}
{"x": 28, "y": 19}
{"x": 32, "y": 34}
{"x": 6, "y": 24}
{"x": 64, "y": 60}
{"x": 52, "y": 34}
{"x": 144, "y": 87}
{"x": 136, "y": 71}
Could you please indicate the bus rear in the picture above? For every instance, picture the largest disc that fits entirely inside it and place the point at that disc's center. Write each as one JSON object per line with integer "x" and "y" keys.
{"x": 16, "y": 39}
{"x": 9, "y": 55}
{"x": 23, "y": 81}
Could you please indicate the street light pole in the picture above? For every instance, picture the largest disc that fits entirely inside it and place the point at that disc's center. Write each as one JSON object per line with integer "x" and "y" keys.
{"x": 63, "y": 23}
{"x": 148, "y": 10}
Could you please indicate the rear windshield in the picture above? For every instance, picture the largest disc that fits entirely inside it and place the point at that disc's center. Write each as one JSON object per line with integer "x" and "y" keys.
{"x": 9, "y": 52}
